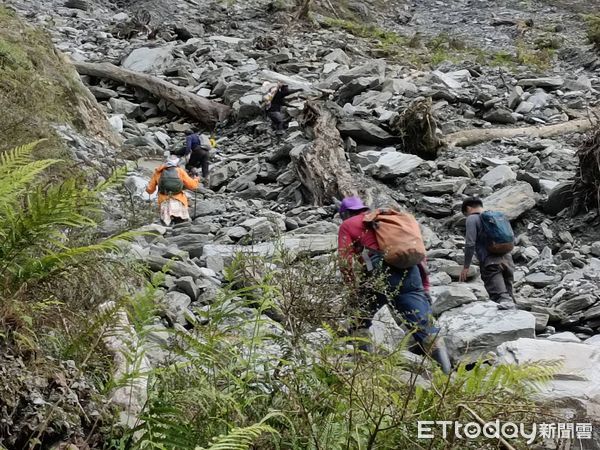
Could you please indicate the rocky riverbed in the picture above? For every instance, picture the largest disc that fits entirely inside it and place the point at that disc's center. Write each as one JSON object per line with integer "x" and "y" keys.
{"x": 256, "y": 201}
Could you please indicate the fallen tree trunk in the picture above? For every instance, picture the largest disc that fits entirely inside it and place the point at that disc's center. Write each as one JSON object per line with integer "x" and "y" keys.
{"x": 466, "y": 138}
{"x": 321, "y": 165}
{"x": 199, "y": 108}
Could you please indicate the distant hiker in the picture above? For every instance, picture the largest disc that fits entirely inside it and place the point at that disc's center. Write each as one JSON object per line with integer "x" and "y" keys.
{"x": 196, "y": 152}
{"x": 273, "y": 102}
{"x": 362, "y": 233}
{"x": 490, "y": 237}
{"x": 170, "y": 179}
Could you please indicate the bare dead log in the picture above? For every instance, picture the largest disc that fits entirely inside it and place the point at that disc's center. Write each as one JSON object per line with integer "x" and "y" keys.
{"x": 203, "y": 110}
{"x": 321, "y": 165}
{"x": 466, "y": 138}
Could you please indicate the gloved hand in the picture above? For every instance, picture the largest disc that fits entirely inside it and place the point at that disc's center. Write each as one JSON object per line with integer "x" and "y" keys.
{"x": 213, "y": 142}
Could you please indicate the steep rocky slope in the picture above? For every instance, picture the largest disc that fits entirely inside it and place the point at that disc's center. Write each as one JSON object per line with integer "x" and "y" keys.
{"x": 496, "y": 66}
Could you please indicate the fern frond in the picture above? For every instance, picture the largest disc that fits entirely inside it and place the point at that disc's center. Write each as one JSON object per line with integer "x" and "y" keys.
{"x": 56, "y": 260}
{"x": 18, "y": 180}
{"x": 18, "y": 156}
{"x": 240, "y": 438}
{"x": 116, "y": 177}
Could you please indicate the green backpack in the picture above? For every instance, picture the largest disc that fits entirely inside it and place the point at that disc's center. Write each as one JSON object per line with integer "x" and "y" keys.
{"x": 170, "y": 183}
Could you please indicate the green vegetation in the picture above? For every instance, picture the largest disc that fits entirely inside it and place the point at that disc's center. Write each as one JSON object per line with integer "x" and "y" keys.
{"x": 593, "y": 29}
{"x": 240, "y": 383}
{"x": 420, "y": 51}
{"x": 36, "y": 86}
{"x": 53, "y": 271}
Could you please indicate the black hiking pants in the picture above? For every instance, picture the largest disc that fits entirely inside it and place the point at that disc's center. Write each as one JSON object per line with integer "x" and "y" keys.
{"x": 199, "y": 158}
{"x": 497, "y": 274}
{"x": 277, "y": 119}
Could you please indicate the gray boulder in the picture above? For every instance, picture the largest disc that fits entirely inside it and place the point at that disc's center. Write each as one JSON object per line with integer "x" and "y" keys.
{"x": 148, "y": 60}
{"x": 512, "y": 200}
{"x": 339, "y": 56}
{"x": 576, "y": 304}
{"x": 385, "y": 331}
{"x": 177, "y": 268}
{"x": 548, "y": 82}
{"x": 499, "y": 176}
{"x": 217, "y": 256}
{"x": 129, "y": 109}
{"x": 477, "y": 328}
{"x": 351, "y": 89}
{"x": 366, "y": 132}
{"x": 393, "y": 164}
{"x": 175, "y": 305}
{"x": 540, "y": 280}
{"x": 188, "y": 286}
{"x": 451, "y": 296}
{"x": 499, "y": 115}
{"x": 575, "y": 386}
{"x": 372, "y": 68}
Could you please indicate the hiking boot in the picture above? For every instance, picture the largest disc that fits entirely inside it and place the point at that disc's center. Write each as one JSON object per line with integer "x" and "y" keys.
{"x": 364, "y": 344}
{"x": 440, "y": 355}
{"x": 506, "y": 305}
{"x": 435, "y": 347}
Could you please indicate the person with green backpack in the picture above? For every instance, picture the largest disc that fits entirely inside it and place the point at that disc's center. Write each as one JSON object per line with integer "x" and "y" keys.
{"x": 171, "y": 180}
{"x": 489, "y": 235}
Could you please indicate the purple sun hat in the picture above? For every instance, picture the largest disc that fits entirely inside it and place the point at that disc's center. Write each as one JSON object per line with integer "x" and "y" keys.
{"x": 352, "y": 204}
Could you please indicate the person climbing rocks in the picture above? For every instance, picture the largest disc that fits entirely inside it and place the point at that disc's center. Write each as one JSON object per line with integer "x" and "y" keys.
{"x": 196, "y": 153}
{"x": 495, "y": 260}
{"x": 170, "y": 180}
{"x": 274, "y": 101}
{"x": 404, "y": 291}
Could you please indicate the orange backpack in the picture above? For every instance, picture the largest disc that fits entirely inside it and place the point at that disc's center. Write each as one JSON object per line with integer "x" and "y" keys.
{"x": 399, "y": 237}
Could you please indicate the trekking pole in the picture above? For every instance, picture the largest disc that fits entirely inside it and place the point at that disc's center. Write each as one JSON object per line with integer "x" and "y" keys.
{"x": 195, "y": 197}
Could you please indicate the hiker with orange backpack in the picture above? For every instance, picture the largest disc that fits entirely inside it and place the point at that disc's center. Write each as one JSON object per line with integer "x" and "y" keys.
{"x": 489, "y": 235}
{"x": 391, "y": 244}
{"x": 170, "y": 180}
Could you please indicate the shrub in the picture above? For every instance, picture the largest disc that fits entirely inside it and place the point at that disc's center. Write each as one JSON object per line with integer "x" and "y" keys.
{"x": 234, "y": 370}
{"x": 593, "y": 29}
{"x": 52, "y": 272}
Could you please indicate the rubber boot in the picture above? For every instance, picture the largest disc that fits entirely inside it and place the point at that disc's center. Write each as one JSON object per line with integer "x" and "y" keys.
{"x": 440, "y": 354}
{"x": 364, "y": 334}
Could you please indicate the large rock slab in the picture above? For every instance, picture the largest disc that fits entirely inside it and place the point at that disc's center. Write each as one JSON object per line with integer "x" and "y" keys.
{"x": 499, "y": 176}
{"x": 512, "y": 200}
{"x": 217, "y": 256}
{"x": 148, "y": 60}
{"x": 547, "y": 82}
{"x": 366, "y": 132}
{"x": 353, "y": 88}
{"x": 576, "y": 385}
{"x": 448, "y": 297}
{"x": 177, "y": 268}
{"x": 372, "y": 68}
{"x": 393, "y": 164}
{"x": 477, "y": 328}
